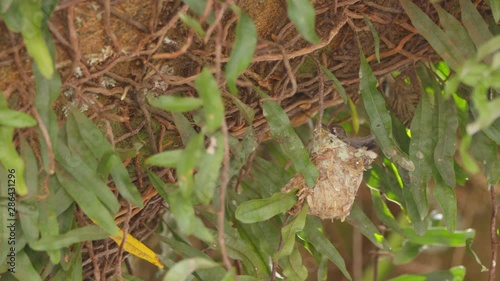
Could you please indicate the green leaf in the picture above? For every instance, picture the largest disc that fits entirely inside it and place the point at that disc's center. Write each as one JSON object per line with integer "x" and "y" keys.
{"x": 476, "y": 27}
{"x": 47, "y": 91}
{"x": 408, "y": 252}
{"x": 302, "y": 14}
{"x": 456, "y": 34}
{"x": 37, "y": 48}
{"x": 85, "y": 233}
{"x": 283, "y": 132}
{"x": 240, "y": 249}
{"x": 189, "y": 224}
{"x": 486, "y": 152}
{"x": 376, "y": 38}
{"x": 468, "y": 161}
{"x": 77, "y": 144}
{"x": 5, "y": 5}
{"x": 421, "y": 153}
{"x": 209, "y": 169}
{"x": 495, "y": 9}
{"x": 11, "y": 160}
{"x": 183, "y": 269}
{"x": 47, "y": 219}
{"x": 263, "y": 209}
{"x": 288, "y": 233}
{"x": 445, "y": 196}
{"x": 91, "y": 135}
{"x": 241, "y": 151}
{"x": 436, "y": 37}
{"x": 380, "y": 119}
{"x": 440, "y": 236}
{"x": 354, "y": 115}
{"x": 293, "y": 268}
{"x": 473, "y": 254}
{"x": 383, "y": 212}
{"x": 29, "y": 218}
{"x": 336, "y": 82}
{"x": 359, "y": 220}
{"x": 112, "y": 163}
{"x": 85, "y": 176}
{"x": 447, "y": 124}
{"x": 88, "y": 202}
{"x": 313, "y": 234}
{"x": 187, "y": 163}
{"x": 191, "y": 22}
{"x": 207, "y": 88}
{"x": 187, "y": 251}
{"x": 74, "y": 270}
{"x": 247, "y": 112}
{"x": 15, "y": 119}
{"x": 165, "y": 159}
{"x": 159, "y": 185}
{"x": 25, "y": 269}
{"x": 198, "y": 6}
{"x": 454, "y": 274}
{"x": 174, "y": 103}
{"x": 242, "y": 51}
{"x": 183, "y": 125}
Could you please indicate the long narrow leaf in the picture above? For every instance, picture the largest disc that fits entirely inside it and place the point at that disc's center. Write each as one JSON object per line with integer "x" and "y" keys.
{"x": 434, "y": 35}
{"x": 447, "y": 124}
{"x": 312, "y": 234}
{"x": 289, "y": 141}
{"x": 263, "y": 209}
{"x": 88, "y": 202}
{"x": 302, "y": 14}
{"x": 380, "y": 119}
{"x": 242, "y": 51}
{"x": 288, "y": 233}
{"x": 207, "y": 88}
{"x": 421, "y": 153}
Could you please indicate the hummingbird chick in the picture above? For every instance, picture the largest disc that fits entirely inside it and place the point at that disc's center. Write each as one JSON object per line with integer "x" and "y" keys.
{"x": 340, "y": 133}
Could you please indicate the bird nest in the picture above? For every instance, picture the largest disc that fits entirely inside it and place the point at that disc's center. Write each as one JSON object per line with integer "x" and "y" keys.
{"x": 108, "y": 56}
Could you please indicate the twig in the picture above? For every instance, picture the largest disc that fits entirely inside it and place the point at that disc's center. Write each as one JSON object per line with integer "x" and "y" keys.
{"x": 46, "y": 137}
{"x": 493, "y": 234}
{"x": 304, "y": 51}
{"x": 320, "y": 94}
{"x": 107, "y": 25}
{"x": 222, "y": 198}
{"x": 122, "y": 244}
{"x": 178, "y": 53}
{"x": 97, "y": 273}
{"x": 140, "y": 101}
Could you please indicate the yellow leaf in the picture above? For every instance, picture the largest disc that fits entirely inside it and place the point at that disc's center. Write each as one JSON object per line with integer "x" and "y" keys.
{"x": 137, "y": 248}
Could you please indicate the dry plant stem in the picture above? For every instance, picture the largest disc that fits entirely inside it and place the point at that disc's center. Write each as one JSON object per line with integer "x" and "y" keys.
{"x": 140, "y": 101}
{"x": 320, "y": 93}
{"x": 216, "y": 23}
{"x": 46, "y": 137}
{"x": 97, "y": 273}
{"x": 175, "y": 54}
{"x": 304, "y": 51}
{"x": 120, "y": 250}
{"x": 107, "y": 25}
{"x": 73, "y": 38}
{"x": 222, "y": 198}
{"x": 493, "y": 234}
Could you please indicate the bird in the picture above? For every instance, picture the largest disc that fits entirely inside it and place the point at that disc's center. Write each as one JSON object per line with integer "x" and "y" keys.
{"x": 340, "y": 133}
